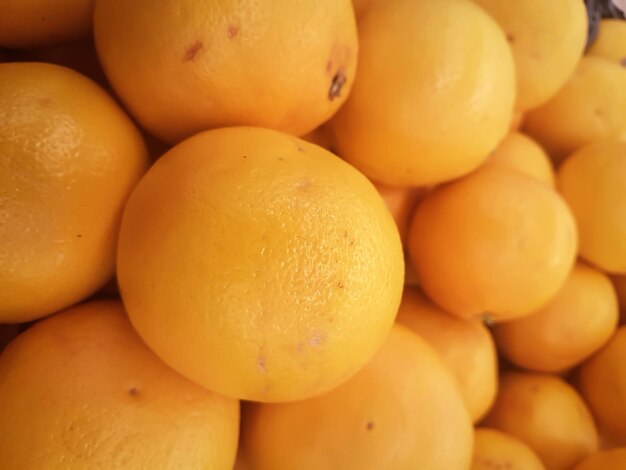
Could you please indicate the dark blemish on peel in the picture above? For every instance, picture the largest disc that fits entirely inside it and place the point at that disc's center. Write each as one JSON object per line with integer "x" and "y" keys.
{"x": 339, "y": 80}
{"x": 300, "y": 149}
{"x": 193, "y": 50}
{"x": 79, "y": 236}
{"x": 281, "y": 159}
{"x": 341, "y": 285}
{"x": 233, "y": 31}
{"x": 370, "y": 425}
{"x": 133, "y": 391}
{"x": 261, "y": 363}
{"x": 510, "y": 37}
{"x": 245, "y": 156}
{"x": 623, "y": 62}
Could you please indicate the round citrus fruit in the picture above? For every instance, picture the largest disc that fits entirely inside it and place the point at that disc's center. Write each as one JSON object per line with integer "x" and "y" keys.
{"x": 81, "y": 390}
{"x": 494, "y": 243}
{"x": 70, "y": 157}
{"x": 183, "y": 66}
{"x": 547, "y": 414}
{"x": 466, "y": 347}
{"x": 497, "y": 450}
{"x": 401, "y": 411}
{"x": 425, "y": 106}
{"x": 259, "y": 265}
{"x": 37, "y": 23}
{"x": 519, "y": 152}
{"x": 603, "y": 384}
{"x": 589, "y": 107}
{"x": 593, "y": 182}
{"x": 611, "y": 41}
{"x": 578, "y": 321}
{"x": 611, "y": 459}
{"x": 547, "y": 40}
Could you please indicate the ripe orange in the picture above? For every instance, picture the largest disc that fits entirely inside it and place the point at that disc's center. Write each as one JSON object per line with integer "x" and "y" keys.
{"x": 259, "y": 265}
{"x": 519, "y": 152}
{"x": 611, "y": 41}
{"x": 547, "y": 414}
{"x": 494, "y": 243}
{"x": 547, "y": 40}
{"x": 401, "y": 411}
{"x": 496, "y": 450}
{"x": 466, "y": 347}
{"x": 81, "y": 390}
{"x": 593, "y": 182}
{"x": 36, "y": 23}
{"x": 183, "y": 66}
{"x": 612, "y": 459}
{"x": 603, "y": 384}
{"x": 589, "y": 107}
{"x": 425, "y": 106}
{"x": 70, "y": 157}
{"x": 578, "y": 321}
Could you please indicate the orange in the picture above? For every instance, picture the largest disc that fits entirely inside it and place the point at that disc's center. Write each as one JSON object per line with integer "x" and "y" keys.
{"x": 619, "y": 283}
{"x": 612, "y": 459}
{"x": 273, "y": 267}
{"x": 36, "y": 23}
{"x": 401, "y": 203}
{"x": 466, "y": 347}
{"x": 547, "y": 40}
{"x": 519, "y": 152}
{"x": 70, "y": 157}
{"x": 183, "y": 66}
{"x": 426, "y": 107}
{"x": 401, "y": 411}
{"x": 589, "y": 107}
{"x": 497, "y": 450}
{"x": 593, "y": 182}
{"x": 603, "y": 384}
{"x": 573, "y": 325}
{"x": 611, "y": 41}
{"x": 495, "y": 243}
{"x": 81, "y": 390}
{"x": 547, "y": 414}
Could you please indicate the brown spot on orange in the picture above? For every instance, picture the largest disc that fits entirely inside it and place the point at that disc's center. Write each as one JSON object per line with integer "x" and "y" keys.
{"x": 369, "y": 425}
{"x": 510, "y": 37}
{"x": 133, "y": 391}
{"x": 261, "y": 363}
{"x": 623, "y": 62}
{"x": 341, "y": 285}
{"x": 337, "y": 83}
{"x": 233, "y": 31}
{"x": 193, "y": 50}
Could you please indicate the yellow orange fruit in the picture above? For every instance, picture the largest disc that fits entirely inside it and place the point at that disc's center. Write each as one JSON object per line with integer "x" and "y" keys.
{"x": 70, "y": 157}
{"x": 611, "y": 41}
{"x": 37, "y": 23}
{"x": 273, "y": 265}
{"x": 589, "y": 107}
{"x": 401, "y": 411}
{"x": 547, "y": 414}
{"x": 603, "y": 384}
{"x": 183, "y": 66}
{"x": 497, "y": 450}
{"x": 612, "y": 459}
{"x": 81, "y": 390}
{"x": 593, "y": 182}
{"x": 578, "y": 321}
{"x": 519, "y": 152}
{"x": 426, "y": 107}
{"x": 401, "y": 203}
{"x": 547, "y": 40}
{"x": 496, "y": 242}
{"x": 465, "y": 346}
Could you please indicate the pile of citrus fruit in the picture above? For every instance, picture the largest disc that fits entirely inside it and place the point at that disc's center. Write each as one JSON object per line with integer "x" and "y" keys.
{"x": 330, "y": 234}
